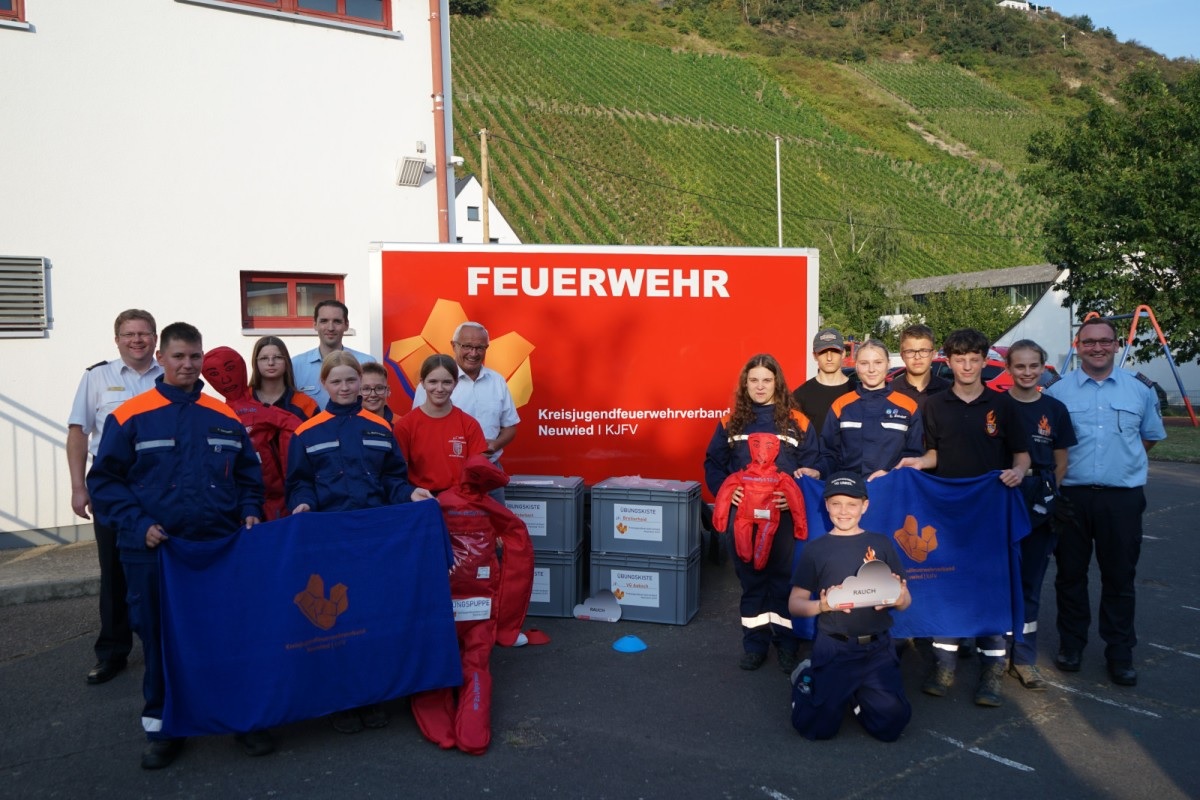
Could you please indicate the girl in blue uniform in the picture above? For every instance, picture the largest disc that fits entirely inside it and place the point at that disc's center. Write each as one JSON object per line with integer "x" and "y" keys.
{"x": 871, "y": 428}
{"x": 763, "y": 404}
{"x": 345, "y": 459}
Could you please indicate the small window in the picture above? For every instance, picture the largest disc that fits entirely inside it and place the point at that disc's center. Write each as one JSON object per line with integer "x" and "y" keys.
{"x": 284, "y": 299}
{"x": 472, "y": 213}
{"x": 12, "y": 9}
{"x": 377, "y": 13}
{"x": 23, "y": 296}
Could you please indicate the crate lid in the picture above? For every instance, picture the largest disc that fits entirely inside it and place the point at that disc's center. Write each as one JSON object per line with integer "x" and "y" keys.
{"x": 555, "y": 481}
{"x": 638, "y": 482}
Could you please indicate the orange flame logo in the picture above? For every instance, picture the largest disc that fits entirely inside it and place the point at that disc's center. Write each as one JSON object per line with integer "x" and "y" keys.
{"x": 870, "y": 556}
{"x": 320, "y": 610}
{"x": 990, "y": 425}
{"x": 1044, "y": 426}
{"x": 916, "y": 545}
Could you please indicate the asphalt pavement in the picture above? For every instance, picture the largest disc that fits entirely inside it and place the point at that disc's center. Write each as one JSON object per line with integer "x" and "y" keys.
{"x": 576, "y": 719}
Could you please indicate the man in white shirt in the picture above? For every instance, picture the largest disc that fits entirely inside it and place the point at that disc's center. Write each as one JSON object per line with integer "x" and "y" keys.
{"x": 331, "y": 320}
{"x": 105, "y": 386}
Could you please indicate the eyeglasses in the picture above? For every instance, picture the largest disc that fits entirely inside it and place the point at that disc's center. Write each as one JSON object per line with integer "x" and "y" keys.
{"x": 1094, "y": 342}
{"x": 130, "y": 336}
{"x": 923, "y": 353}
{"x": 374, "y": 390}
{"x": 471, "y": 348}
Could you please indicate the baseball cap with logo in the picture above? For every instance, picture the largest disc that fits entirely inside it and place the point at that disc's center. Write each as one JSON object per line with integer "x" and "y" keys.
{"x": 850, "y": 484}
{"x": 828, "y": 339}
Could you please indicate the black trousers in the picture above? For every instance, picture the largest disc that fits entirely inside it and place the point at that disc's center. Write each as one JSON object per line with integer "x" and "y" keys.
{"x": 1110, "y": 522}
{"x": 116, "y": 637}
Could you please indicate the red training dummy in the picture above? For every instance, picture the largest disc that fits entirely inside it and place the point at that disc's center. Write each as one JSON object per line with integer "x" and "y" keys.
{"x": 270, "y": 428}
{"x": 490, "y": 600}
{"x": 757, "y": 511}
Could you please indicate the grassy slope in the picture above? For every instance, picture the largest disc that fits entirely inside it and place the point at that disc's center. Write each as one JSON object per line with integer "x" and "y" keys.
{"x": 618, "y": 122}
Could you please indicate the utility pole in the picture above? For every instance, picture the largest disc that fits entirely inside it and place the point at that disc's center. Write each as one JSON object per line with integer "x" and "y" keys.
{"x": 483, "y": 179}
{"x": 778, "y": 194}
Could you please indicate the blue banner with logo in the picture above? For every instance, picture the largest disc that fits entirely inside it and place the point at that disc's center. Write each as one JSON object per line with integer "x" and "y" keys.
{"x": 958, "y": 539}
{"x": 306, "y": 616}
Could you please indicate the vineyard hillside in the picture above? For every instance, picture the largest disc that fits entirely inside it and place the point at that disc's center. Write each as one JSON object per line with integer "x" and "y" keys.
{"x": 640, "y": 132}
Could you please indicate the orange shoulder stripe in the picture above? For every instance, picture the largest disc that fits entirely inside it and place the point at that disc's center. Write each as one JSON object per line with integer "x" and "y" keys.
{"x": 802, "y": 421}
{"x": 305, "y": 403}
{"x": 904, "y": 401}
{"x": 842, "y": 402}
{"x": 214, "y": 404}
{"x": 140, "y": 404}
{"x": 312, "y": 422}
{"x": 371, "y": 415}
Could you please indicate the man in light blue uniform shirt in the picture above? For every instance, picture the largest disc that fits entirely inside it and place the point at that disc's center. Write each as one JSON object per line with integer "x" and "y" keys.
{"x": 331, "y": 320}
{"x": 1117, "y": 420}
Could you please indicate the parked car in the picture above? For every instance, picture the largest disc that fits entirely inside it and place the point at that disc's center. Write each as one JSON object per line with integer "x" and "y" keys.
{"x": 995, "y": 373}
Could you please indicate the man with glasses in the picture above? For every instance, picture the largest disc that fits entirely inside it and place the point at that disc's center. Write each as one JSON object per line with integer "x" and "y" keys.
{"x": 104, "y": 386}
{"x": 375, "y": 391}
{"x": 331, "y": 320}
{"x": 1117, "y": 420}
{"x": 481, "y": 392}
{"x": 918, "y": 381}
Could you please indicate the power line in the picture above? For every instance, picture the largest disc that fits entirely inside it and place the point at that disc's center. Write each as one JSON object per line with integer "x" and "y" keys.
{"x": 728, "y": 201}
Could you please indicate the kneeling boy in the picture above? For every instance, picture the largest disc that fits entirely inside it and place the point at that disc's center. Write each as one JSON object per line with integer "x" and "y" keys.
{"x": 853, "y": 660}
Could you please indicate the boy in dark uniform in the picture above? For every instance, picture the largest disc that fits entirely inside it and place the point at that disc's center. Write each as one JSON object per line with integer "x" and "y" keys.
{"x": 853, "y": 660}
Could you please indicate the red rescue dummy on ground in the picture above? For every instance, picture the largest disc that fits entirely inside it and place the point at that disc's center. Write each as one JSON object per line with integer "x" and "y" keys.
{"x": 491, "y": 597}
{"x": 270, "y": 428}
{"x": 757, "y": 512}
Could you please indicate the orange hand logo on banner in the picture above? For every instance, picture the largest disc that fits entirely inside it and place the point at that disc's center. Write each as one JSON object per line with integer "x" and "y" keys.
{"x": 916, "y": 546}
{"x": 321, "y": 611}
{"x": 507, "y": 354}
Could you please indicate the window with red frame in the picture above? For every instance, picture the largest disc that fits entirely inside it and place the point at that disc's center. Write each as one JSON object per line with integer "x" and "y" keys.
{"x": 12, "y": 9}
{"x": 285, "y": 300}
{"x": 377, "y": 13}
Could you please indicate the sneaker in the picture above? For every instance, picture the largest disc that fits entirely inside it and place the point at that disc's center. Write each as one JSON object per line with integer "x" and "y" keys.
{"x": 799, "y": 670}
{"x": 752, "y": 660}
{"x": 988, "y": 691}
{"x": 373, "y": 716}
{"x": 1029, "y": 676}
{"x": 256, "y": 743}
{"x": 161, "y": 752}
{"x": 938, "y": 681}
{"x": 347, "y": 721}
{"x": 788, "y": 659}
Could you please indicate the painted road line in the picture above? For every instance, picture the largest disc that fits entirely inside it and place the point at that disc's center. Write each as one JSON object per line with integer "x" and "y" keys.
{"x": 1104, "y": 700}
{"x": 1173, "y": 650}
{"x": 998, "y": 759}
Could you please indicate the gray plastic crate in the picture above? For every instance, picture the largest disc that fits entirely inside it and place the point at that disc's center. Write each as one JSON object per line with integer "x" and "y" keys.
{"x": 644, "y": 516}
{"x": 551, "y": 506}
{"x": 650, "y": 589}
{"x": 558, "y": 583}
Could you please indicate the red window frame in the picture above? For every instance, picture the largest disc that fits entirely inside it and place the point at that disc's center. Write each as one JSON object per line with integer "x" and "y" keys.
{"x": 16, "y": 13}
{"x": 296, "y": 317}
{"x": 294, "y": 7}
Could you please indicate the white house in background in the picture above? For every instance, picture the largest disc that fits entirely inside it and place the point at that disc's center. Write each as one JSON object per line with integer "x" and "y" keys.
{"x": 468, "y": 215}
{"x": 220, "y": 162}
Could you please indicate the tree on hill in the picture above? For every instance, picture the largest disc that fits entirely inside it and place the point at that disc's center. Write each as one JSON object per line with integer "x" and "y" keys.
{"x": 982, "y": 309}
{"x": 1127, "y": 184}
{"x": 857, "y": 271}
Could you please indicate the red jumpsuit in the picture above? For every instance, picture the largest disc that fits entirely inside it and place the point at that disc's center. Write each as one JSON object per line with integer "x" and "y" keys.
{"x": 490, "y": 600}
{"x": 270, "y": 428}
{"x": 757, "y": 511}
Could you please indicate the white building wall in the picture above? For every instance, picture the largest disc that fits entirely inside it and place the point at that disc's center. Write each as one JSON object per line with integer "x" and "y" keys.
{"x": 153, "y": 150}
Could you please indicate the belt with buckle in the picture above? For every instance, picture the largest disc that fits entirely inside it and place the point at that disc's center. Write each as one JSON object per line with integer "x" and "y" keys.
{"x": 841, "y": 637}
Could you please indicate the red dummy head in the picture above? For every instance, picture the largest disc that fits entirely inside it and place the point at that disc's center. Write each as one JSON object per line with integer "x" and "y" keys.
{"x": 763, "y": 446}
{"x": 225, "y": 371}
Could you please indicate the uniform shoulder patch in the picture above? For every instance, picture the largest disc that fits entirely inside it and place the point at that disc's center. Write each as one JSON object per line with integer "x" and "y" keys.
{"x": 1053, "y": 379}
{"x": 1144, "y": 379}
{"x": 97, "y": 364}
